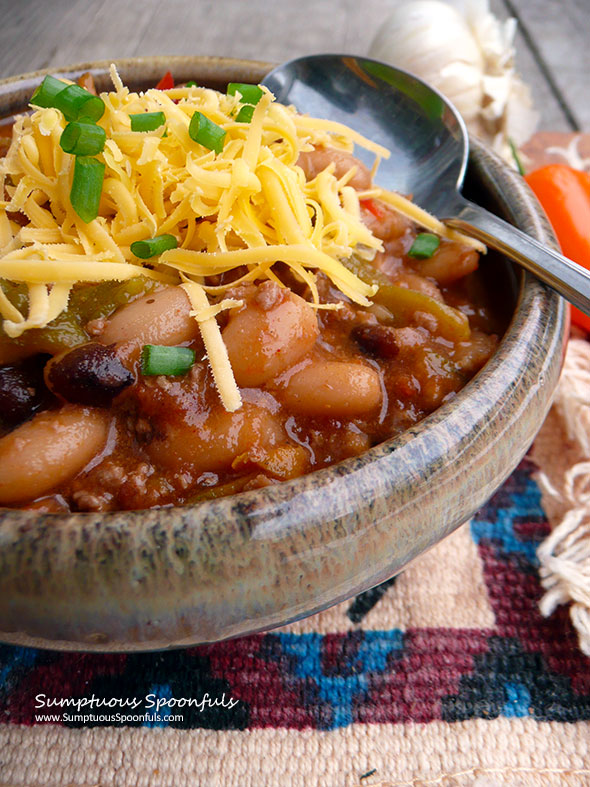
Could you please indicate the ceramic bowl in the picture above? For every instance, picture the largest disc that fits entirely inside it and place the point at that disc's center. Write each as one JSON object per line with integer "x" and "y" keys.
{"x": 142, "y": 580}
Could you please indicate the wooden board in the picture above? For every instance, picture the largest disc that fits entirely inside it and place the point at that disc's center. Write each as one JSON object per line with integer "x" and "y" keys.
{"x": 553, "y": 55}
{"x": 558, "y": 33}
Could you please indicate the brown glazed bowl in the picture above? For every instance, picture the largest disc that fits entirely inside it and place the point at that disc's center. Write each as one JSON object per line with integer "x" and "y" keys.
{"x": 143, "y": 580}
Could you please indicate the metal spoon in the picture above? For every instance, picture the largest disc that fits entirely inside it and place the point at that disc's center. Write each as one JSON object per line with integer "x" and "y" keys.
{"x": 429, "y": 149}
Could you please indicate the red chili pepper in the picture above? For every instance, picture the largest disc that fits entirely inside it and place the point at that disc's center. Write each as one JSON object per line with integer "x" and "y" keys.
{"x": 166, "y": 83}
{"x": 372, "y": 207}
{"x": 564, "y": 193}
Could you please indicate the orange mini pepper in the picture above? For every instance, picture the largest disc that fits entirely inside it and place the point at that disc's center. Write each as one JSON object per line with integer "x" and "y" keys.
{"x": 564, "y": 193}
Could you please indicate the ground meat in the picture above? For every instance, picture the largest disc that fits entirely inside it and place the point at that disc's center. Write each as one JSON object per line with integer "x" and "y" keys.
{"x": 269, "y": 295}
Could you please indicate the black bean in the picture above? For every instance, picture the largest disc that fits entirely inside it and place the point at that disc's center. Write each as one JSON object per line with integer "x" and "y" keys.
{"x": 22, "y": 391}
{"x": 89, "y": 374}
{"x": 377, "y": 340}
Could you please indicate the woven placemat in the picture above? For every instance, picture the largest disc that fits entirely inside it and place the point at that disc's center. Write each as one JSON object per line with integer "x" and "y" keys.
{"x": 448, "y": 675}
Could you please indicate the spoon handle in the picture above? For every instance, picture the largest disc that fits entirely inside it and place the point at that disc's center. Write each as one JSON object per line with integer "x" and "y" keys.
{"x": 568, "y": 279}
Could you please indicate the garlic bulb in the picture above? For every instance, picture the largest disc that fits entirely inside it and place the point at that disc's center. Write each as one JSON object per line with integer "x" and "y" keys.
{"x": 463, "y": 50}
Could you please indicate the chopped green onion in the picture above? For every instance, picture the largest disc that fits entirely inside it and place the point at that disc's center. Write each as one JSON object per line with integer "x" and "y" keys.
{"x": 83, "y": 139}
{"x": 424, "y": 246}
{"x": 147, "y": 121}
{"x": 47, "y": 91}
{"x": 245, "y": 114}
{"x": 249, "y": 94}
{"x": 206, "y": 132}
{"x": 156, "y": 359}
{"x": 77, "y": 103}
{"x": 191, "y": 84}
{"x": 87, "y": 187}
{"x": 74, "y": 101}
{"x": 152, "y": 247}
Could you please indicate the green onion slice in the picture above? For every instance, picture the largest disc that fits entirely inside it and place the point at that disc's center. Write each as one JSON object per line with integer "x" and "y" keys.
{"x": 77, "y": 103}
{"x": 147, "y": 121}
{"x": 206, "y": 132}
{"x": 156, "y": 359}
{"x": 87, "y": 187}
{"x": 191, "y": 84}
{"x": 245, "y": 114}
{"x": 83, "y": 139}
{"x": 45, "y": 94}
{"x": 249, "y": 94}
{"x": 424, "y": 246}
{"x": 152, "y": 247}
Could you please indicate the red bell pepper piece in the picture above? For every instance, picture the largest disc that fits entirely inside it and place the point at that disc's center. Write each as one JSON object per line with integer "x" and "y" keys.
{"x": 372, "y": 207}
{"x": 166, "y": 83}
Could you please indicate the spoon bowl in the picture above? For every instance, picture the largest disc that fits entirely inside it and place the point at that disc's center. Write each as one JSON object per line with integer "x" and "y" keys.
{"x": 429, "y": 148}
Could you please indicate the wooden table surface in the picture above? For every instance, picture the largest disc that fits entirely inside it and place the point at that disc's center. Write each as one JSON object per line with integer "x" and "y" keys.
{"x": 553, "y": 40}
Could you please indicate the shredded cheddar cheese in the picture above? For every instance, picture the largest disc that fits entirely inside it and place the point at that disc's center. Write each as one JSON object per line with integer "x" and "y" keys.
{"x": 214, "y": 346}
{"x": 248, "y": 206}
{"x": 424, "y": 219}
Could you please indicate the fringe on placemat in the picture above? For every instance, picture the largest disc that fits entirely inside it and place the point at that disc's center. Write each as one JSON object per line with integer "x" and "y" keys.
{"x": 564, "y": 556}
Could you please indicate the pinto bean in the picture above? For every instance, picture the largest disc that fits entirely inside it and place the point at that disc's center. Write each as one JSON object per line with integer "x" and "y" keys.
{"x": 338, "y": 389}
{"x": 212, "y": 442}
{"x": 450, "y": 262}
{"x": 159, "y": 318}
{"x": 315, "y": 161}
{"x": 262, "y": 342}
{"x": 49, "y": 450}
{"x": 389, "y": 225}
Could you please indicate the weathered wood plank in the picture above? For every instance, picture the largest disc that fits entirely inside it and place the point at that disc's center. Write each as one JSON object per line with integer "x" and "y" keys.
{"x": 256, "y": 30}
{"x": 558, "y": 33}
{"x": 40, "y": 33}
{"x": 44, "y": 33}
{"x": 29, "y": 37}
{"x": 552, "y": 113}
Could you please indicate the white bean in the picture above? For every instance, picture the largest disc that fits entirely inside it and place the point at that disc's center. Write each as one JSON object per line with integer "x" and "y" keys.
{"x": 261, "y": 343}
{"x": 315, "y": 161}
{"x": 450, "y": 262}
{"x": 211, "y": 442}
{"x": 158, "y": 318}
{"x": 49, "y": 450}
{"x": 388, "y": 225}
{"x": 333, "y": 388}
